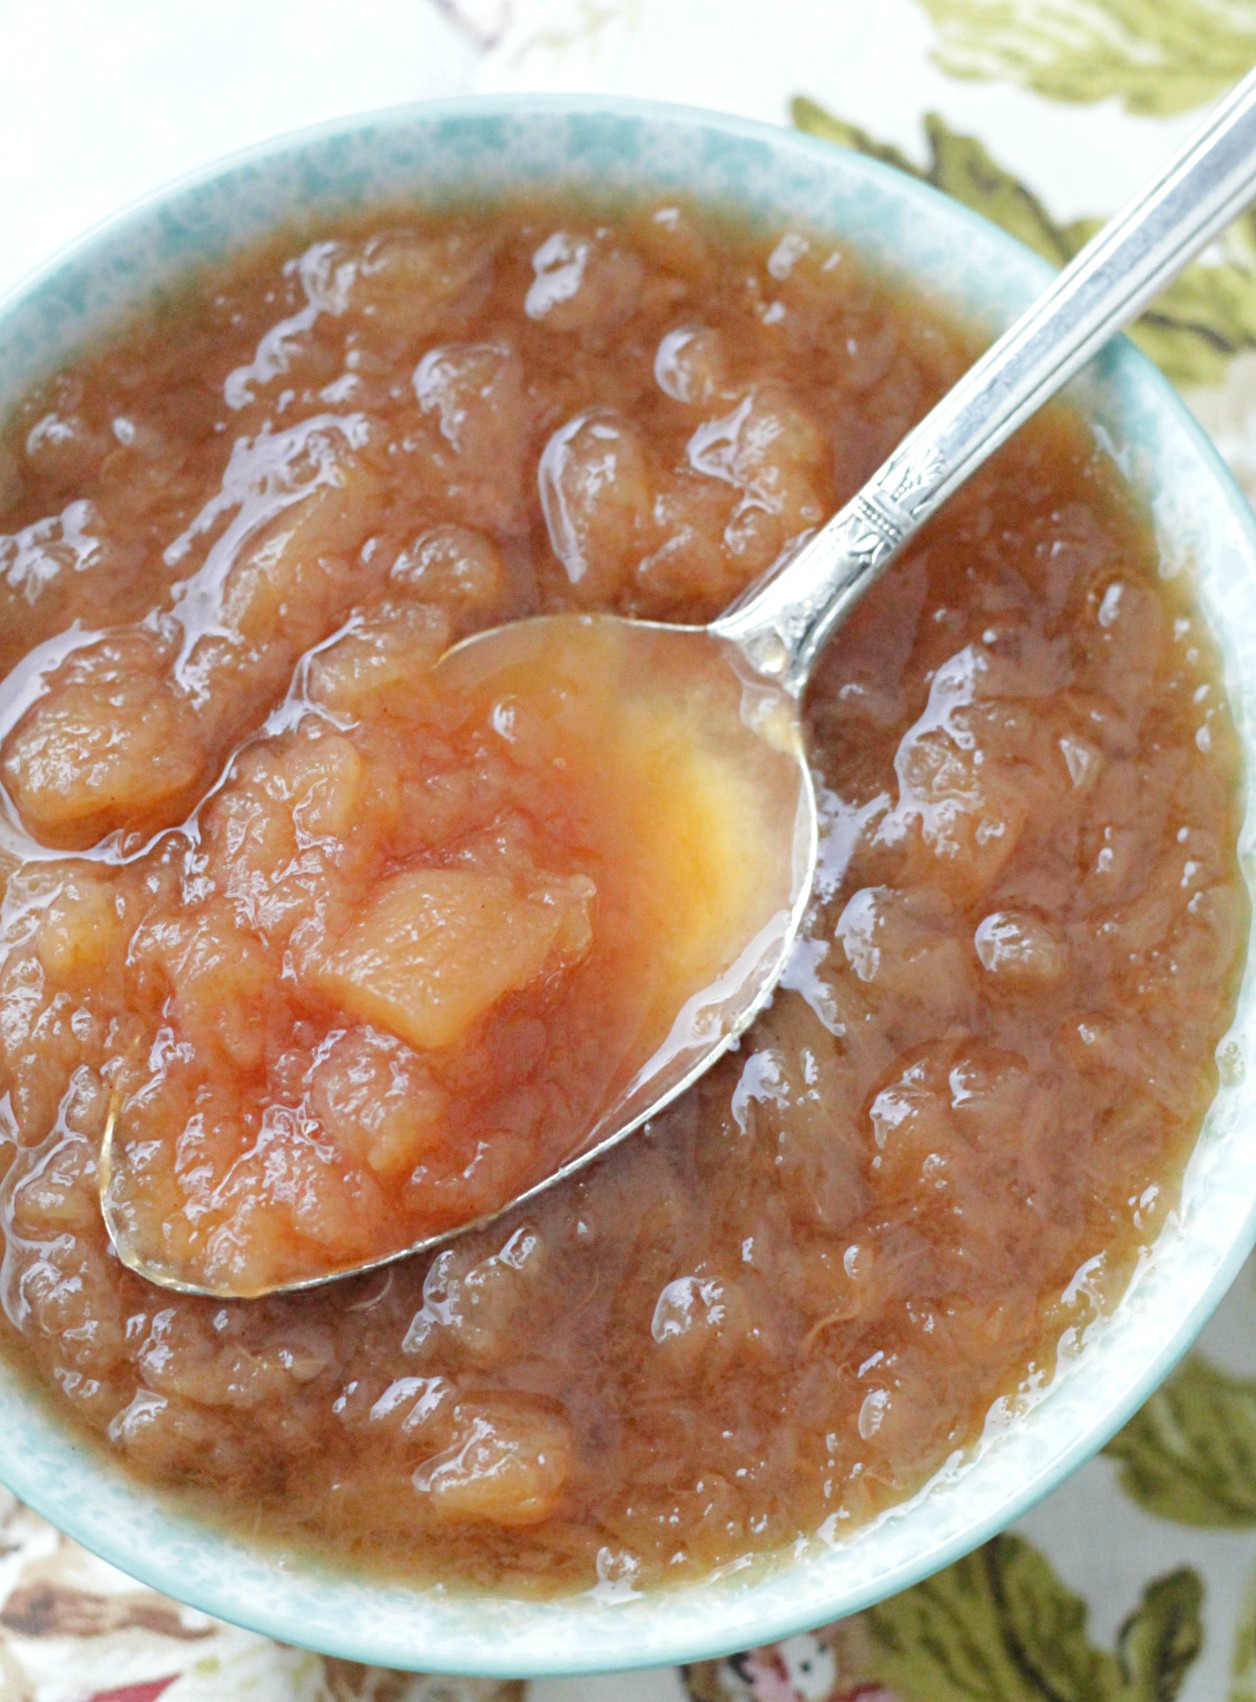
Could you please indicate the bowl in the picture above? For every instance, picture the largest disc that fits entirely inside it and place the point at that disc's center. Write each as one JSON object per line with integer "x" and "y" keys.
{"x": 447, "y": 152}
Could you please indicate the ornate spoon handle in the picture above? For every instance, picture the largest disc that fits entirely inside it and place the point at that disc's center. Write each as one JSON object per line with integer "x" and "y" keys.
{"x": 784, "y": 619}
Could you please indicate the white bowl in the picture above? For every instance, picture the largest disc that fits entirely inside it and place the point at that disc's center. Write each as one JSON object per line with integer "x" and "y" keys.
{"x": 443, "y": 153}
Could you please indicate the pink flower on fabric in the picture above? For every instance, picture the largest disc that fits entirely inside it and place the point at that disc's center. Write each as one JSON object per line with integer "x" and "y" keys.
{"x": 146, "y": 1691}
{"x": 802, "y": 1669}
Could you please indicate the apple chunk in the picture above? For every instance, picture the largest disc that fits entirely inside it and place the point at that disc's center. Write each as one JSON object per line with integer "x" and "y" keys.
{"x": 437, "y": 948}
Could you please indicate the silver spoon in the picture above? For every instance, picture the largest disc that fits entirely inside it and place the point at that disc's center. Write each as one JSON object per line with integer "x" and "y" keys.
{"x": 764, "y": 647}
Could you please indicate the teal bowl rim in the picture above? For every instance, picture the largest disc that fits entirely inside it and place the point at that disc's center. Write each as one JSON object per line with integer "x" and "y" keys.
{"x": 57, "y": 1481}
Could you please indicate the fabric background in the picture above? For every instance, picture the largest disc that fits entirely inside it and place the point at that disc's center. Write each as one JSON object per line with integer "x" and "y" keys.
{"x": 1135, "y": 1582}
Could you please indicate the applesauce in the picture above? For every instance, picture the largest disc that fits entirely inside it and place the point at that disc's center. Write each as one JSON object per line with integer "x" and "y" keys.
{"x": 234, "y": 538}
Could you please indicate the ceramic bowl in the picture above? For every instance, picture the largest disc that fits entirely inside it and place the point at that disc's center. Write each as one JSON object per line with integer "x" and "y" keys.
{"x": 448, "y": 152}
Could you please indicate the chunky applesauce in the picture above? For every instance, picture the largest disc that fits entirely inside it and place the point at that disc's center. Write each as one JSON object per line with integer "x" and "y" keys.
{"x": 322, "y": 952}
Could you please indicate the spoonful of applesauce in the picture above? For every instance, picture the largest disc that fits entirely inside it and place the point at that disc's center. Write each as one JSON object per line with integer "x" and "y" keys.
{"x": 647, "y": 840}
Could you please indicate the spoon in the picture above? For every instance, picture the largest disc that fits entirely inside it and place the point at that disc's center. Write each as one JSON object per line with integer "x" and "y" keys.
{"x": 736, "y": 686}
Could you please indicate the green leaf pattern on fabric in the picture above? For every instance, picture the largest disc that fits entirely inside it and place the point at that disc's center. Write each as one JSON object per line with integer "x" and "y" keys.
{"x": 1191, "y": 330}
{"x": 944, "y": 1640}
{"x": 1154, "y": 56}
{"x": 1045, "y": 1626}
{"x": 1243, "y": 1660}
{"x": 1160, "y": 1641}
{"x": 1190, "y": 1453}
{"x": 1000, "y": 1626}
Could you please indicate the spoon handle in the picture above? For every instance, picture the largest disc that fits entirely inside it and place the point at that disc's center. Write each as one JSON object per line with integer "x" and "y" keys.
{"x": 784, "y": 619}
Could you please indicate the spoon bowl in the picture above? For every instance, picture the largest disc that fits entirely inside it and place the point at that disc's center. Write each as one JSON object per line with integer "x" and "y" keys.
{"x": 711, "y": 837}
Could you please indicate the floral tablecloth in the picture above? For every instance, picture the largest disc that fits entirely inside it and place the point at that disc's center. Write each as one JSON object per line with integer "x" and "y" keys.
{"x": 1135, "y": 1582}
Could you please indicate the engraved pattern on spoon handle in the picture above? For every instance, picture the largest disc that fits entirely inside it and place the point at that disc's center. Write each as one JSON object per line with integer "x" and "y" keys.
{"x": 784, "y": 619}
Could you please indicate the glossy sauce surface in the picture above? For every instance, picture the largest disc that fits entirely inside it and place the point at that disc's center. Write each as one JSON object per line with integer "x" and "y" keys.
{"x": 239, "y": 534}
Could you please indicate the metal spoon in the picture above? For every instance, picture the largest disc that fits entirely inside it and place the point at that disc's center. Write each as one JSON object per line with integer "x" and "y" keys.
{"x": 765, "y": 646}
